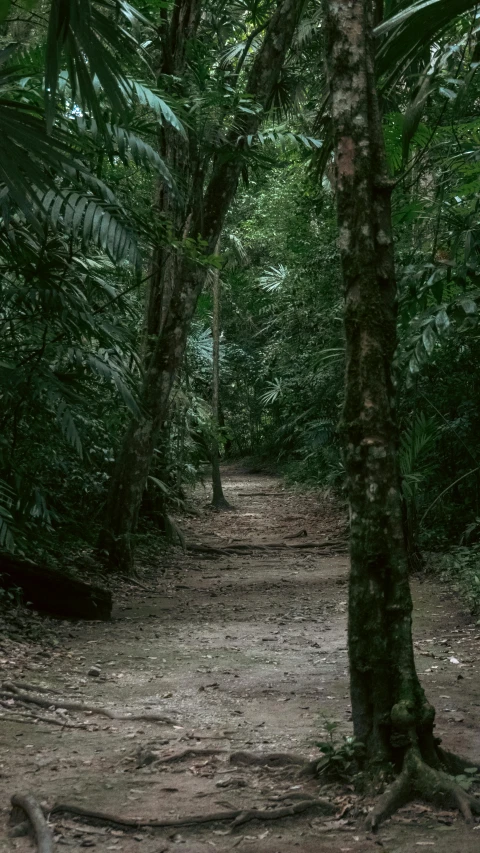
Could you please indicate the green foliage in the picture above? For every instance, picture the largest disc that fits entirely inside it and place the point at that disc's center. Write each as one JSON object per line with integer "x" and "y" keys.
{"x": 460, "y": 568}
{"x": 341, "y": 758}
{"x": 416, "y": 452}
{"x": 470, "y": 777}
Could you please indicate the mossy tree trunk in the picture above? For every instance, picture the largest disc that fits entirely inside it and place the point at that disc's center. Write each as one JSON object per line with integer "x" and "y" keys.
{"x": 391, "y": 716}
{"x": 172, "y": 303}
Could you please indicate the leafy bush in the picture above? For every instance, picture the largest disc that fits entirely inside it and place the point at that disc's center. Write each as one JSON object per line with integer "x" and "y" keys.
{"x": 460, "y": 567}
{"x": 341, "y": 758}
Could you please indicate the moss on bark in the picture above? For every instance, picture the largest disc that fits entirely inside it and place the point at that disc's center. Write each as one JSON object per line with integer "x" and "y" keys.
{"x": 391, "y": 715}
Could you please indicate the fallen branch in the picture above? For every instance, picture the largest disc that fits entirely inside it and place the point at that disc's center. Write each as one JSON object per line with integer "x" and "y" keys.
{"x": 81, "y": 706}
{"x": 43, "y": 835}
{"x": 238, "y": 816}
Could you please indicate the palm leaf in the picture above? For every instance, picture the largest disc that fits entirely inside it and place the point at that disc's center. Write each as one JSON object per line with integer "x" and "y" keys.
{"x": 413, "y": 27}
{"x": 90, "y": 37}
{"x": 150, "y": 98}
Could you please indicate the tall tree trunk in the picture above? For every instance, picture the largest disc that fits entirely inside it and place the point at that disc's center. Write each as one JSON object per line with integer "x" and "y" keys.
{"x": 391, "y": 716}
{"x": 204, "y": 222}
{"x": 219, "y": 500}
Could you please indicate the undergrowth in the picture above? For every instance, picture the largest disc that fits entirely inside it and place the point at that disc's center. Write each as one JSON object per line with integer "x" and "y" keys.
{"x": 460, "y": 568}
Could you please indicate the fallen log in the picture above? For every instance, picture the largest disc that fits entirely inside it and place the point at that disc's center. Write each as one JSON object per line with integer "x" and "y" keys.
{"x": 54, "y": 593}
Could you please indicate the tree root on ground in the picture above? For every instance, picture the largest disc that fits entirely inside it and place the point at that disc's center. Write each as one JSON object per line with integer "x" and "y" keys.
{"x": 251, "y": 548}
{"x": 149, "y": 757}
{"x": 418, "y": 779}
{"x": 32, "y": 688}
{"x": 235, "y": 816}
{"x": 42, "y": 831}
{"x": 271, "y": 759}
{"x": 189, "y": 753}
{"x": 275, "y": 759}
{"x": 14, "y": 693}
{"x": 38, "y": 718}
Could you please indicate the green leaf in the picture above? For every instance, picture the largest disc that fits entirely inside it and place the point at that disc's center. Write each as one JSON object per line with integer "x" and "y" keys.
{"x": 429, "y": 339}
{"x": 4, "y": 9}
{"x": 442, "y": 321}
{"x": 469, "y": 306}
{"x": 149, "y": 98}
{"x": 163, "y": 488}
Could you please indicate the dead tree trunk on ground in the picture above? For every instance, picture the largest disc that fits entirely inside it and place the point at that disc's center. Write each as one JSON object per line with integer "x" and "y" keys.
{"x": 391, "y": 715}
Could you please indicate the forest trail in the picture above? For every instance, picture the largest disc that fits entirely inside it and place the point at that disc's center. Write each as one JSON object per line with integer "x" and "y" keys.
{"x": 243, "y": 643}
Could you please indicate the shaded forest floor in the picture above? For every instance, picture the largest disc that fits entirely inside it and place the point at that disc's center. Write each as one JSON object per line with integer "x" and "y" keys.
{"x": 244, "y": 647}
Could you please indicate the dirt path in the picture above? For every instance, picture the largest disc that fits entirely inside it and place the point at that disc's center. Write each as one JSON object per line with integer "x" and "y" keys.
{"x": 246, "y": 649}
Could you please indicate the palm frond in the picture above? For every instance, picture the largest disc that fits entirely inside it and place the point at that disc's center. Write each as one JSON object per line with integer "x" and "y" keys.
{"x": 273, "y": 278}
{"x": 150, "y": 98}
{"x": 416, "y": 25}
{"x": 92, "y": 220}
{"x": 91, "y": 37}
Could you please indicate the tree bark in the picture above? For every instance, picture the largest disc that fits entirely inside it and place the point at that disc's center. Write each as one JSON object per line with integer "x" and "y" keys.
{"x": 168, "y": 321}
{"x": 389, "y": 707}
{"x": 391, "y": 715}
{"x": 219, "y": 500}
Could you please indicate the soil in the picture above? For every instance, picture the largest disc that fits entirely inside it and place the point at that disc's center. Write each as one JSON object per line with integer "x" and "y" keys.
{"x": 245, "y": 649}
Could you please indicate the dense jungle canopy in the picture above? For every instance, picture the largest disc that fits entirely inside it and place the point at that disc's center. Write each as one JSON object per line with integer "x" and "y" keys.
{"x": 248, "y": 230}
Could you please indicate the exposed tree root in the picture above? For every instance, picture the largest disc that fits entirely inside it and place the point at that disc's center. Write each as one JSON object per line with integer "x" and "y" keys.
{"x": 418, "y": 779}
{"x": 32, "y": 688}
{"x": 38, "y": 718}
{"x": 187, "y": 753}
{"x": 43, "y": 835}
{"x": 270, "y": 759}
{"x": 235, "y": 816}
{"x": 14, "y": 692}
{"x": 251, "y": 548}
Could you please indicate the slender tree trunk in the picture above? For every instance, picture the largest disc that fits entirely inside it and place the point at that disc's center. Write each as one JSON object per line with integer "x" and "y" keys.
{"x": 219, "y": 500}
{"x": 391, "y": 716}
{"x": 205, "y": 221}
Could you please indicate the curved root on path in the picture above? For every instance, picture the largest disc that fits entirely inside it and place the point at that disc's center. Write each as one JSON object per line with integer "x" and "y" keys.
{"x": 276, "y": 759}
{"x": 43, "y": 834}
{"x": 235, "y": 816}
{"x": 15, "y": 693}
{"x": 418, "y": 779}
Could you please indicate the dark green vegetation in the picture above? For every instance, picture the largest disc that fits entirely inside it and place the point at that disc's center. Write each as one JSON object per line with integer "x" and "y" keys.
{"x": 197, "y": 241}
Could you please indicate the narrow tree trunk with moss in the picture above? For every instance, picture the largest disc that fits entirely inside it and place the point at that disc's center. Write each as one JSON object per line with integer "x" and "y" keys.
{"x": 219, "y": 500}
{"x": 391, "y": 716}
{"x": 175, "y": 306}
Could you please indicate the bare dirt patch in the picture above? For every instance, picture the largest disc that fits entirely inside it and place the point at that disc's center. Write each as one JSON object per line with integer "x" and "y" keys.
{"x": 244, "y": 648}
